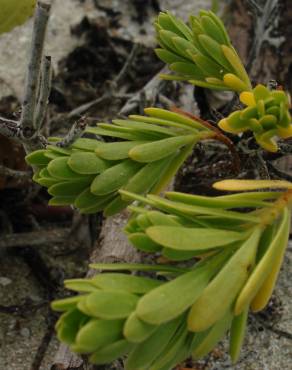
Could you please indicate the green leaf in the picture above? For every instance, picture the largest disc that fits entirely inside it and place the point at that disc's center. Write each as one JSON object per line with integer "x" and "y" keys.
{"x": 87, "y": 163}
{"x": 173, "y": 117}
{"x": 115, "y": 206}
{"x": 208, "y": 85}
{"x": 192, "y": 210}
{"x": 59, "y": 150}
{"x": 114, "y": 178}
{"x": 187, "y": 69}
{"x": 181, "y": 255}
{"x": 136, "y": 330}
{"x": 183, "y": 46}
{"x": 220, "y": 294}
{"x": 117, "y": 150}
{"x": 37, "y": 157}
{"x": 237, "y": 331}
{"x": 234, "y": 60}
{"x": 159, "y": 149}
{"x": 124, "y": 282}
{"x": 204, "y": 342}
{"x": 180, "y": 26}
{"x": 98, "y": 333}
{"x": 66, "y": 304}
{"x": 264, "y": 266}
{"x": 86, "y": 144}
{"x": 165, "y": 39}
{"x": 162, "y": 304}
{"x": 190, "y": 239}
{"x": 172, "y": 169}
{"x": 111, "y": 352}
{"x": 47, "y": 181}
{"x": 220, "y": 25}
{"x": 87, "y": 200}
{"x": 147, "y": 176}
{"x": 143, "y": 221}
{"x": 244, "y": 185}
{"x": 183, "y": 128}
{"x": 61, "y": 201}
{"x": 111, "y": 305}
{"x": 171, "y": 349}
{"x": 53, "y": 155}
{"x": 68, "y": 188}
{"x": 144, "y": 243}
{"x": 14, "y": 13}
{"x": 242, "y": 200}
{"x": 168, "y": 57}
{"x": 109, "y": 131}
{"x": 213, "y": 49}
{"x": 99, "y": 205}
{"x": 147, "y": 351}
{"x": 209, "y": 67}
{"x": 59, "y": 168}
{"x": 80, "y": 285}
{"x": 136, "y": 267}
{"x": 213, "y": 30}
{"x": 147, "y": 128}
{"x": 136, "y": 134}
{"x": 69, "y": 326}
{"x": 159, "y": 218}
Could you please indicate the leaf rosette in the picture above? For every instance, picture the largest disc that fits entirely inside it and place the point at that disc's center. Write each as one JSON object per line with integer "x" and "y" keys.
{"x": 90, "y": 172}
{"x": 266, "y": 115}
{"x": 160, "y": 321}
{"x": 200, "y": 52}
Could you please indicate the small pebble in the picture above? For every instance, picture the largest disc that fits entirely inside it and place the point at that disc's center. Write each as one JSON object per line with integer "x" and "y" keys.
{"x": 5, "y": 281}
{"x": 25, "y": 332}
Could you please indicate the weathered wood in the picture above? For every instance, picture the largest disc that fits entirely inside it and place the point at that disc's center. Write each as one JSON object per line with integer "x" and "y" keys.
{"x": 34, "y": 238}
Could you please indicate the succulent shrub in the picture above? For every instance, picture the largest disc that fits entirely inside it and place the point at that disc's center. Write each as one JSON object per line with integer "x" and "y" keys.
{"x": 266, "y": 115}
{"x": 90, "y": 172}
{"x": 233, "y": 245}
{"x": 237, "y": 256}
{"x": 200, "y": 52}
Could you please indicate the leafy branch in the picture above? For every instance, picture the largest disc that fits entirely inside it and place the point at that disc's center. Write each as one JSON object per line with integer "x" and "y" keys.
{"x": 234, "y": 244}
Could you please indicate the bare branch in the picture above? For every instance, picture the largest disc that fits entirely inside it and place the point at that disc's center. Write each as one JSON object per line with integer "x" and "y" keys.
{"x": 123, "y": 72}
{"x": 34, "y": 67}
{"x": 112, "y": 91}
{"x": 45, "y": 88}
{"x": 34, "y": 238}
{"x": 9, "y": 128}
{"x": 255, "y": 6}
{"x": 86, "y": 106}
{"x": 266, "y": 21}
{"x": 149, "y": 91}
{"x": 74, "y": 133}
{"x": 21, "y": 175}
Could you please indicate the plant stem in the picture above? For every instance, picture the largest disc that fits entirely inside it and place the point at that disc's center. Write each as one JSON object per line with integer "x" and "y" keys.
{"x": 33, "y": 74}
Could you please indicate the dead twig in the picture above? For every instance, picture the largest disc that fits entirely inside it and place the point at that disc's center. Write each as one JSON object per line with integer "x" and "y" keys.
{"x": 266, "y": 21}
{"x": 112, "y": 90}
{"x": 148, "y": 92}
{"x": 28, "y": 116}
{"x": 34, "y": 238}
{"x": 20, "y": 175}
{"x": 45, "y": 88}
{"x": 74, "y": 133}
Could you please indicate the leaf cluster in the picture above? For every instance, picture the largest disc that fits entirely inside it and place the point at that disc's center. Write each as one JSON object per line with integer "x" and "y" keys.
{"x": 234, "y": 244}
{"x": 90, "y": 172}
{"x": 160, "y": 323}
{"x": 266, "y": 115}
